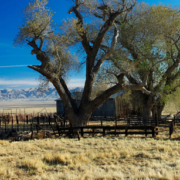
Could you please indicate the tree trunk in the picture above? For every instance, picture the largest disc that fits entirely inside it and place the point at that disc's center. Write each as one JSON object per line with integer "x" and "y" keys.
{"x": 154, "y": 111}
{"x": 160, "y": 109}
{"x": 148, "y": 105}
{"x": 79, "y": 120}
{"x": 146, "y": 113}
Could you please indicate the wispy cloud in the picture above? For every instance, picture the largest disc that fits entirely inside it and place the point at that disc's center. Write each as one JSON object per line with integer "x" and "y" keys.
{"x": 76, "y": 83}
{"x": 10, "y": 66}
{"x": 24, "y": 83}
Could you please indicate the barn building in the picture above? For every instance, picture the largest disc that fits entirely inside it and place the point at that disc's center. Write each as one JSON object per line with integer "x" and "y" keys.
{"x": 110, "y": 107}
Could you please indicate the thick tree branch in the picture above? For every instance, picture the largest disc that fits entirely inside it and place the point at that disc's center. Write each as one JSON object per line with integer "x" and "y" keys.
{"x": 103, "y": 31}
{"x": 41, "y": 43}
{"x": 115, "y": 89}
{"x": 110, "y": 51}
{"x": 60, "y": 86}
{"x": 80, "y": 29}
{"x": 40, "y": 55}
{"x": 105, "y": 95}
{"x": 112, "y": 15}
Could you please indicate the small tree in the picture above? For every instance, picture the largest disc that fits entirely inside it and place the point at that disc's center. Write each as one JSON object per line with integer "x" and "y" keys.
{"x": 90, "y": 29}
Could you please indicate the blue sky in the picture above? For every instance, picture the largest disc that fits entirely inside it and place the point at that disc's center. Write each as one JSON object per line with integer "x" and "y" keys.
{"x": 14, "y": 72}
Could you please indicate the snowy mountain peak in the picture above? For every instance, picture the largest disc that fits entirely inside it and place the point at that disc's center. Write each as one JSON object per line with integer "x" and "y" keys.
{"x": 32, "y": 93}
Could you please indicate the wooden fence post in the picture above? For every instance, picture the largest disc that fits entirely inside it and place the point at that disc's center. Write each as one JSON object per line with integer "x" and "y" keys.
{"x": 27, "y": 119}
{"x": 171, "y": 128}
{"x": 78, "y": 135}
{"x": 126, "y": 131}
{"x": 32, "y": 120}
{"x": 37, "y": 119}
{"x": 104, "y": 131}
{"x": 49, "y": 120}
{"x": 82, "y": 132}
{"x": 57, "y": 124}
{"x": 145, "y": 131}
{"x": 8, "y": 118}
{"x": 153, "y": 132}
{"x": 93, "y": 132}
{"x": 101, "y": 121}
{"x": 65, "y": 122}
{"x": 17, "y": 121}
{"x": 5, "y": 124}
{"x": 174, "y": 120}
{"x": 12, "y": 122}
{"x": 115, "y": 120}
{"x": 156, "y": 118}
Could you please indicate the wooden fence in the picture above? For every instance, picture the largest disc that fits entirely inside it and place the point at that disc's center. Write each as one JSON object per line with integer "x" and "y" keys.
{"x": 29, "y": 122}
{"x": 96, "y": 125}
{"x": 108, "y": 130}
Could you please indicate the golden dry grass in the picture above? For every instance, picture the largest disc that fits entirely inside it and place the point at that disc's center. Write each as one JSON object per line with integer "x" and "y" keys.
{"x": 91, "y": 158}
{"x": 97, "y": 158}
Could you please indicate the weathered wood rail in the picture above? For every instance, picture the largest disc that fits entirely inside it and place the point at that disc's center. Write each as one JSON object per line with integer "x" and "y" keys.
{"x": 108, "y": 130}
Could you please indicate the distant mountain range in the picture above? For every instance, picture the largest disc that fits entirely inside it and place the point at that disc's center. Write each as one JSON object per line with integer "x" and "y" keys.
{"x": 32, "y": 93}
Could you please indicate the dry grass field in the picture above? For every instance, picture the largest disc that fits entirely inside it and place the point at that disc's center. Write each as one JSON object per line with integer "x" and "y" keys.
{"x": 92, "y": 158}
{"x": 118, "y": 157}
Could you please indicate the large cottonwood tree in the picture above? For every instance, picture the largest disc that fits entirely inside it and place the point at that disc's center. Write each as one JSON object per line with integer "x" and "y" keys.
{"x": 84, "y": 31}
{"x": 152, "y": 37}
